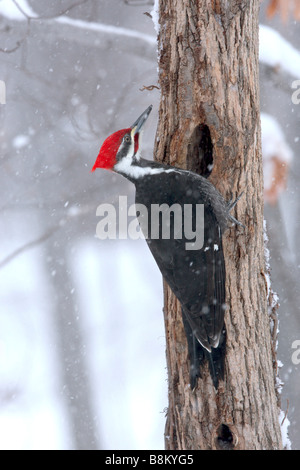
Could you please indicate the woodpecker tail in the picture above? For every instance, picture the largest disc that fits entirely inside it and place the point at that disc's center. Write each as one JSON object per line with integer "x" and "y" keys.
{"x": 198, "y": 355}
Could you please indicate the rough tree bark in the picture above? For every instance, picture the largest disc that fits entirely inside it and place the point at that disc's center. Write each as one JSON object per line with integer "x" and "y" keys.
{"x": 209, "y": 114}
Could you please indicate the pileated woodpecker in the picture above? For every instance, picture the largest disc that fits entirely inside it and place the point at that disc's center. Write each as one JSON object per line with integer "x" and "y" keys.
{"x": 196, "y": 276}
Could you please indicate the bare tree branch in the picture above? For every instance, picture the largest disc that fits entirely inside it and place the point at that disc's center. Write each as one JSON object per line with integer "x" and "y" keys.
{"x": 18, "y": 43}
{"x": 40, "y": 17}
{"x": 149, "y": 88}
{"x": 14, "y": 49}
{"x": 49, "y": 17}
{"x": 27, "y": 246}
{"x": 135, "y": 3}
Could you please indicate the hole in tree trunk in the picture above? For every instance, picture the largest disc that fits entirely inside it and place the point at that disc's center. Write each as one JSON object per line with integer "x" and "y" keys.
{"x": 225, "y": 438}
{"x": 200, "y": 151}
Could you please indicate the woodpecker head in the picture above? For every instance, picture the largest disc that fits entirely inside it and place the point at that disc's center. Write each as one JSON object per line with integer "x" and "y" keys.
{"x": 122, "y": 148}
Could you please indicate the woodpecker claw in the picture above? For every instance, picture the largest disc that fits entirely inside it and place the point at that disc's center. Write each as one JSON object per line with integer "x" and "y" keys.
{"x": 235, "y": 221}
{"x": 230, "y": 206}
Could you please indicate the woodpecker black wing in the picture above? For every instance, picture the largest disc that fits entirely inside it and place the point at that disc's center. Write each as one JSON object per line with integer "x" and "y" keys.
{"x": 196, "y": 276}
{"x": 205, "y": 309}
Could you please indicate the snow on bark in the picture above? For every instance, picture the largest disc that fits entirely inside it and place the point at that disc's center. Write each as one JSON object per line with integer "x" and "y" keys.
{"x": 273, "y": 304}
{"x": 155, "y": 16}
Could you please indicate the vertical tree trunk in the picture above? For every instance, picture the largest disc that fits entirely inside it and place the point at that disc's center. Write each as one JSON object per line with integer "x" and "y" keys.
{"x": 70, "y": 347}
{"x": 209, "y": 114}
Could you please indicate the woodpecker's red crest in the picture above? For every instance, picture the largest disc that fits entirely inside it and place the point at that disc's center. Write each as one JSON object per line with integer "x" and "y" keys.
{"x": 121, "y": 144}
{"x": 107, "y": 156}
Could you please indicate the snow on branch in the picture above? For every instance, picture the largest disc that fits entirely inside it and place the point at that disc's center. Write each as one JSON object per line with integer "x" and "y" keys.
{"x": 20, "y": 10}
{"x": 277, "y": 52}
{"x": 108, "y": 29}
{"x": 98, "y": 35}
{"x": 17, "y": 11}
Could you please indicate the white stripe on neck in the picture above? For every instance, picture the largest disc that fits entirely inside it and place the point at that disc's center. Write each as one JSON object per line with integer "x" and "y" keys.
{"x": 126, "y": 168}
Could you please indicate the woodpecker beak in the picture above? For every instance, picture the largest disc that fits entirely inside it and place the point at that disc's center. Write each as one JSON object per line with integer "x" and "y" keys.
{"x": 138, "y": 124}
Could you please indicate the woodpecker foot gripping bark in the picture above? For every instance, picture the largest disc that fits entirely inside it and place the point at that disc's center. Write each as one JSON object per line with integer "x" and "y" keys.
{"x": 230, "y": 206}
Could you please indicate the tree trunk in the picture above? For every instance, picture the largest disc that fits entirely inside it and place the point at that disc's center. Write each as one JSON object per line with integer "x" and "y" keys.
{"x": 209, "y": 115}
{"x": 70, "y": 347}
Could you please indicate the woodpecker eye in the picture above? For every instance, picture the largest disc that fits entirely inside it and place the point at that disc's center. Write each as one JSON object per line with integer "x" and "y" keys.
{"x": 127, "y": 138}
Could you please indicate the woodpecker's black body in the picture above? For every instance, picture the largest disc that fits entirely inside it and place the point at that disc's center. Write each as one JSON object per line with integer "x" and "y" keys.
{"x": 196, "y": 276}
